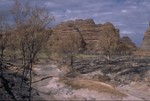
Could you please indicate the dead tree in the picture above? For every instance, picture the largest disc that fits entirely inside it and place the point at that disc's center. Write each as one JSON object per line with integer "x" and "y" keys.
{"x": 4, "y": 34}
{"x": 31, "y": 26}
{"x": 108, "y": 43}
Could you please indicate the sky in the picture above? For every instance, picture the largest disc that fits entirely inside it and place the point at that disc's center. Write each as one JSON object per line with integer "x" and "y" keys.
{"x": 130, "y": 16}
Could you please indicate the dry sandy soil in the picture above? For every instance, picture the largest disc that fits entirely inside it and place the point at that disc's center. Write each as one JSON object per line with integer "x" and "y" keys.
{"x": 57, "y": 87}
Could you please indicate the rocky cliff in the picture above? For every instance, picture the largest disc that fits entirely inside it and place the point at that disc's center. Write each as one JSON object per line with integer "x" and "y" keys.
{"x": 146, "y": 40}
{"x": 128, "y": 43}
{"x": 89, "y": 32}
{"x": 108, "y": 39}
{"x": 66, "y": 36}
{"x": 86, "y": 31}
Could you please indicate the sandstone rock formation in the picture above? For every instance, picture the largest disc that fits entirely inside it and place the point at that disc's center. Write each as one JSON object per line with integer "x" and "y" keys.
{"x": 91, "y": 32}
{"x": 146, "y": 40}
{"x": 87, "y": 33}
{"x": 64, "y": 35}
{"x": 128, "y": 43}
{"x": 108, "y": 40}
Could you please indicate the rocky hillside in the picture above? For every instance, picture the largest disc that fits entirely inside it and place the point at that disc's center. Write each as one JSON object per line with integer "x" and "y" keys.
{"x": 146, "y": 40}
{"x": 10, "y": 89}
{"x": 87, "y": 33}
{"x": 128, "y": 43}
{"x": 64, "y": 34}
{"x": 108, "y": 37}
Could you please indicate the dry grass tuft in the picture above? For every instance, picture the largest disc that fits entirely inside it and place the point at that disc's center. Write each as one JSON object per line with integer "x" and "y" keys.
{"x": 92, "y": 85}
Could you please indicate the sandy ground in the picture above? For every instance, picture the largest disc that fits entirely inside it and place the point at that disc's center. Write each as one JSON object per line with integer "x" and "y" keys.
{"x": 53, "y": 89}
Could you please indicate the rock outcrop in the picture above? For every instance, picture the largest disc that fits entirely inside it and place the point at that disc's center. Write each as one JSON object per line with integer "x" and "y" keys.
{"x": 146, "y": 40}
{"x": 108, "y": 38}
{"x": 123, "y": 69}
{"x": 10, "y": 87}
{"x": 88, "y": 33}
{"x": 64, "y": 34}
{"x": 128, "y": 43}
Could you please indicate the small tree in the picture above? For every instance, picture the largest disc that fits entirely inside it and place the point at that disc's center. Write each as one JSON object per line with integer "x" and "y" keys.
{"x": 108, "y": 44}
{"x": 69, "y": 47}
{"x": 67, "y": 44}
{"x": 4, "y": 34}
{"x": 31, "y": 28}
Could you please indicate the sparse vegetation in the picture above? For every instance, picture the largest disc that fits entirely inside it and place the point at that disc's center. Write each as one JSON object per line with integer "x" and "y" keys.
{"x": 4, "y": 34}
{"x": 31, "y": 23}
{"x": 29, "y": 33}
{"x": 73, "y": 52}
{"x": 93, "y": 85}
{"x": 108, "y": 43}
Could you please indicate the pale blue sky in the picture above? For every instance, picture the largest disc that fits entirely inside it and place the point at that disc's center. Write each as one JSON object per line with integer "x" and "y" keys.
{"x": 130, "y": 16}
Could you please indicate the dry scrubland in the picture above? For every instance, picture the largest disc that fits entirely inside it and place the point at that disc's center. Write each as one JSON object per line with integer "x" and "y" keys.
{"x": 75, "y": 60}
{"x": 128, "y": 80}
{"x": 93, "y": 85}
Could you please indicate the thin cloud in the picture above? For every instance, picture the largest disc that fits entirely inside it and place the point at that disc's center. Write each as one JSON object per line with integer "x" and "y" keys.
{"x": 126, "y": 32}
{"x": 130, "y": 16}
{"x": 124, "y": 11}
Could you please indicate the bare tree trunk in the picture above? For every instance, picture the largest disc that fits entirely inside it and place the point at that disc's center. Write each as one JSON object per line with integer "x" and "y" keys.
{"x": 30, "y": 89}
{"x": 71, "y": 61}
{"x": 2, "y": 53}
{"x": 23, "y": 74}
{"x": 23, "y": 54}
{"x": 23, "y": 58}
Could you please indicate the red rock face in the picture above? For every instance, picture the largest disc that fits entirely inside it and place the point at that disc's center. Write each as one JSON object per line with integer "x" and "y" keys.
{"x": 88, "y": 31}
{"x": 129, "y": 44}
{"x": 146, "y": 40}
